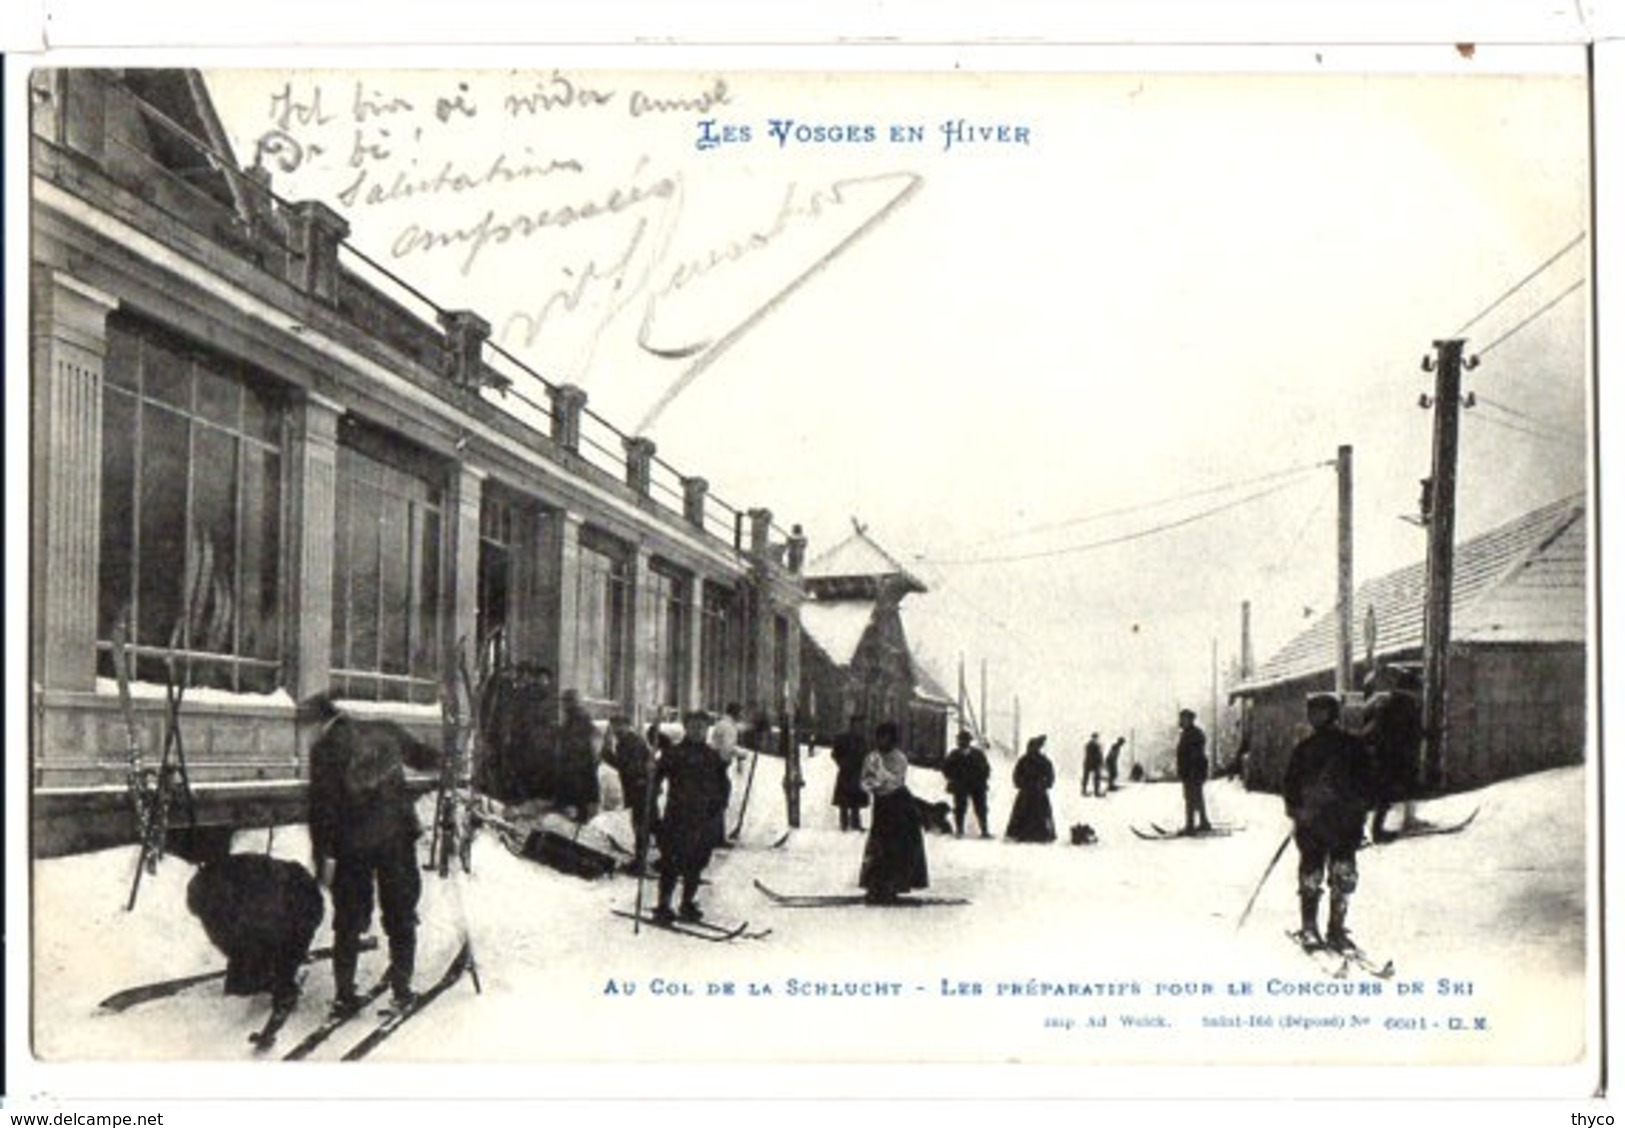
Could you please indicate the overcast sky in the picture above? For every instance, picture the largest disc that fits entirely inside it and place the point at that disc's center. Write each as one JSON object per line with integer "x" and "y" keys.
{"x": 1155, "y": 285}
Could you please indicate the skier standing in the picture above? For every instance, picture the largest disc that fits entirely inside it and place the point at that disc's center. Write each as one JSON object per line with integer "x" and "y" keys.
{"x": 1393, "y": 731}
{"x": 634, "y": 763}
{"x": 690, "y": 825}
{"x": 363, "y": 834}
{"x": 1329, "y": 787}
{"x": 1111, "y": 763}
{"x": 894, "y": 853}
{"x": 1190, "y": 759}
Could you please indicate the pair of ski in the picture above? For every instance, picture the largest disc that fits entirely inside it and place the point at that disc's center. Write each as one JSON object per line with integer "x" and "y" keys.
{"x": 832, "y": 900}
{"x": 389, "y": 1021}
{"x": 1339, "y": 962}
{"x": 1426, "y": 830}
{"x": 698, "y": 929}
{"x": 1162, "y": 834}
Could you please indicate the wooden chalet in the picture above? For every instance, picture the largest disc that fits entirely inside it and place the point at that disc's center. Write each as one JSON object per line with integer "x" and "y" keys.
{"x": 1517, "y": 685}
{"x": 855, "y": 652}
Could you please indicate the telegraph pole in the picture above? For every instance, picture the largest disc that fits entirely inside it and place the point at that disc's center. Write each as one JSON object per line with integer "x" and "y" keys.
{"x": 1345, "y": 569}
{"x": 1446, "y": 365}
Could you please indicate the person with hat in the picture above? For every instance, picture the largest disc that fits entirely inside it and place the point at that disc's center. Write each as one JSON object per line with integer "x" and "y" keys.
{"x": 966, "y": 772}
{"x": 1329, "y": 786}
{"x": 694, "y": 780}
{"x": 1112, "y": 755}
{"x": 1032, "y": 819}
{"x": 363, "y": 838}
{"x": 1190, "y": 762}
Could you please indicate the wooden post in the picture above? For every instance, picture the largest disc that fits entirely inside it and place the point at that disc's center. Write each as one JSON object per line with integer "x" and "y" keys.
{"x": 1446, "y": 404}
{"x": 1345, "y": 569}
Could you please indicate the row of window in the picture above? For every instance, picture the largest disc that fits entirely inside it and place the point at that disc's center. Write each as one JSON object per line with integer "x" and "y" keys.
{"x": 193, "y": 513}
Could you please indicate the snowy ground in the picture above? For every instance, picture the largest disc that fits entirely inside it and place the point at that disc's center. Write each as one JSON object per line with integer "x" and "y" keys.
{"x": 1135, "y": 931}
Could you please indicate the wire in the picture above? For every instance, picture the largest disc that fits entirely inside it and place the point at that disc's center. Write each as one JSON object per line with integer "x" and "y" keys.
{"x": 1545, "y": 436}
{"x": 1555, "y": 428}
{"x": 1033, "y": 530}
{"x": 1522, "y": 282}
{"x": 1520, "y": 325}
{"x": 1140, "y": 534}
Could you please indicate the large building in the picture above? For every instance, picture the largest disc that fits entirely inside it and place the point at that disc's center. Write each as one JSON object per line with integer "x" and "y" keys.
{"x": 1516, "y": 698}
{"x": 283, "y": 471}
{"x": 856, "y": 658}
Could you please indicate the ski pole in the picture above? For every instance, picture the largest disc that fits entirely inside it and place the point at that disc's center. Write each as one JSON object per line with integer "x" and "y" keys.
{"x": 641, "y": 854}
{"x": 1269, "y": 869}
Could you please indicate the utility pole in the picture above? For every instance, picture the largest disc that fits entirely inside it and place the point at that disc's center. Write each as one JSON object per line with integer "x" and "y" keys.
{"x": 1345, "y": 569}
{"x": 986, "y": 721}
{"x": 1246, "y": 639}
{"x": 1213, "y": 706}
{"x": 1017, "y": 724}
{"x": 1446, "y": 365}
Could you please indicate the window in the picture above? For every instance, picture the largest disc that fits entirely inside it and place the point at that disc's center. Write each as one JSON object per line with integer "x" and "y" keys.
{"x": 499, "y": 539}
{"x": 664, "y": 620}
{"x": 386, "y": 571}
{"x": 601, "y": 605}
{"x": 719, "y": 673}
{"x": 191, "y": 512}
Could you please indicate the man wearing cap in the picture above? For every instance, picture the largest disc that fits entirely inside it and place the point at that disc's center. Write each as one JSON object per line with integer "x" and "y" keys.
{"x": 1393, "y": 732}
{"x": 695, "y": 783}
{"x": 965, "y": 770}
{"x": 1094, "y": 759}
{"x": 1190, "y": 760}
{"x": 1330, "y": 784}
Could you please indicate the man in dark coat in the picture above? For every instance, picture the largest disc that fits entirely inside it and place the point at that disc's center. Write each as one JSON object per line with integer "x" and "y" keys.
{"x": 1393, "y": 732}
{"x": 1093, "y": 761}
{"x": 261, "y": 913}
{"x": 1328, "y": 788}
{"x": 634, "y": 763}
{"x": 850, "y": 798}
{"x": 966, "y": 772}
{"x": 695, "y": 784}
{"x": 1190, "y": 761}
{"x": 1111, "y": 763}
{"x": 363, "y": 835}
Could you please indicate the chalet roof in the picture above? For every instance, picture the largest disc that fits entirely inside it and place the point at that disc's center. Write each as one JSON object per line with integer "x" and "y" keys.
{"x": 1524, "y": 581}
{"x": 837, "y": 627}
{"x": 858, "y": 557}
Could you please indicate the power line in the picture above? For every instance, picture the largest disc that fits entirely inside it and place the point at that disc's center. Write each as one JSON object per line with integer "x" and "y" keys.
{"x": 1520, "y": 325}
{"x": 1522, "y": 282}
{"x": 1137, "y": 535}
{"x": 1545, "y": 436}
{"x": 1555, "y": 428}
{"x": 1033, "y": 530}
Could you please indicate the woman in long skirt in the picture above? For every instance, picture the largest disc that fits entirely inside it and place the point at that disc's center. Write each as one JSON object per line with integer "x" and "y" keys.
{"x": 1031, "y": 817}
{"x": 894, "y": 852}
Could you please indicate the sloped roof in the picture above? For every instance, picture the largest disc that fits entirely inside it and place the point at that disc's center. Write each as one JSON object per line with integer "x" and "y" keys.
{"x": 859, "y": 557}
{"x": 838, "y": 626}
{"x": 1523, "y": 581}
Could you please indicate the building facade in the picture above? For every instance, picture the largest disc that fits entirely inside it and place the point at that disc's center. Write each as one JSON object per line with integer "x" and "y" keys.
{"x": 1517, "y": 684}
{"x": 278, "y": 471}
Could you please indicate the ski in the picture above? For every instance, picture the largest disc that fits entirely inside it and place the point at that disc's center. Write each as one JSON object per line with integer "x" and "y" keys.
{"x": 331, "y": 1024}
{"x": 1337, "y": 962}
{"x": 1428, "y": 830}
{"x": 1158, "y": 834}
{"x": 265, "y": 1037}
{"x": 395, "y": 1019}
{"x": 831, "y": 900}
{"x": 166, "y": 988}
{"x": 699, "y": 929}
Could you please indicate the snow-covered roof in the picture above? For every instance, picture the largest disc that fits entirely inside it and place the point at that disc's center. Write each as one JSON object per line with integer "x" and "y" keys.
{"x": 859, "y": 557}
{"x": 837, "y": 627}
{"x": 1523, "y": 581}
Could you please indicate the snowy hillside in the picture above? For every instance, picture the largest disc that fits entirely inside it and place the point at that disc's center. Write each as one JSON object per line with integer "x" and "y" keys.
{"x": 1138, "y": 936}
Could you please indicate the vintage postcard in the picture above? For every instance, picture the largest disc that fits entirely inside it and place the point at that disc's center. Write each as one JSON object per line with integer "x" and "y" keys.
{"x": 1065, "y": 562}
